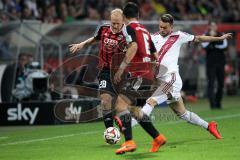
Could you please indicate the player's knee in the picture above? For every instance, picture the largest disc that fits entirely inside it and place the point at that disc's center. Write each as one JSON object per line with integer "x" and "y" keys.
{"x": 137, "y": 113}
{"x": 172, "y": 100}
{"x": 152, "y": 102}
{"x": 106, "y": 101}
{"x": 121, "y": 104}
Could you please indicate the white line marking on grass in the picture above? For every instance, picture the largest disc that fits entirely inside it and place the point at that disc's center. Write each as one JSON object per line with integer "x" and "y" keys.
{"x": 224, "y": 117}
{"x": 47, "y": 139}
{"x": 37, "y": 140}
{"x": 94, "y": 132}
{"x": 207, "y": 118}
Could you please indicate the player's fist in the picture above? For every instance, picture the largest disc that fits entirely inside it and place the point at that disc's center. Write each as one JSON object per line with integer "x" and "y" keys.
{"x": 118, "y": 76}
{"x": 75, "y": 47}
{"x": 226, "y": 36}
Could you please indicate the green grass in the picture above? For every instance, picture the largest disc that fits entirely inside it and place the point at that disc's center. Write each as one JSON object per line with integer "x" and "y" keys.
{"x": 85, "y": 142}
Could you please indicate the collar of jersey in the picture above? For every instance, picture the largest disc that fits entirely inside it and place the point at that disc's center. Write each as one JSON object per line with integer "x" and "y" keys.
{"x": 167, "y": 35}
{"x": 132, "y": 22}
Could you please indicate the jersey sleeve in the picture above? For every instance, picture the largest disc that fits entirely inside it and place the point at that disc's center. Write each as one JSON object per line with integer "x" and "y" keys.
{"x": 153, "y": 37}
{"x": 152, "y": 47}
{"x": 130, "y": 34}
{"x": 98, "y": 33}
{"x": 185, "y": 37}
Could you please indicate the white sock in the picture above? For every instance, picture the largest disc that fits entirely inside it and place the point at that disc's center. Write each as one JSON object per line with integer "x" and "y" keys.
{"x": 160, "y": 99}
{"x": 134, "y": 122}
{"x": 193, "y": 118}
{"x": 147, "y": 109}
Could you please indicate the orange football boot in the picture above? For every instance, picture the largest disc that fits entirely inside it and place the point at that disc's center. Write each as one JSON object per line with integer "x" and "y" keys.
{"x": 128, "y": 146}
{"x": 212, "y": 128}
{"x": 159, "y": 141}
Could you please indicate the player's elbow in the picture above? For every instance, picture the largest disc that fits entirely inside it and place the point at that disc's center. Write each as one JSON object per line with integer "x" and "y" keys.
{"x": 131, "y": 52}
{"x": 134, "y": 47}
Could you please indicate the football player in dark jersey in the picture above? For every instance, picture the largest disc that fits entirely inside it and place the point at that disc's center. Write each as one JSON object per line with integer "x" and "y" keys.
{"x": 140, "y": 48}
{"x": 111, "y": 41}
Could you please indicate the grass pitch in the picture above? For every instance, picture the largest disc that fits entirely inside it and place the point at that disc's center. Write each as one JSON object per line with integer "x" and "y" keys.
{"x": 85, "y": 141}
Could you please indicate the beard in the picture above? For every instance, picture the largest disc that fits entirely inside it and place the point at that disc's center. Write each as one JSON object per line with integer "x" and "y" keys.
{"x": 164, "y": 34}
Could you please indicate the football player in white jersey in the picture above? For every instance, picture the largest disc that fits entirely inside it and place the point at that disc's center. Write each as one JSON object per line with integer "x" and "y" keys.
{"x": 168, "y": 44}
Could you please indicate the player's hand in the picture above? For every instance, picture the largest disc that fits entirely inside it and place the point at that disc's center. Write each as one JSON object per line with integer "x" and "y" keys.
{"x": 226, "y": 36}
{"x": 118, "y": 75}
{"x": 75, "y": 47}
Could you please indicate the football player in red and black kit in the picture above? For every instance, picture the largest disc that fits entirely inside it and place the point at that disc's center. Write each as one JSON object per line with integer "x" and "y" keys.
{"x": 140, "y": 48}
{"x": 111, "y": 41}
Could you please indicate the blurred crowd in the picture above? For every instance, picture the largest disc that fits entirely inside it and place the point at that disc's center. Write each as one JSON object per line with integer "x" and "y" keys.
{"x": 62, "y": 11}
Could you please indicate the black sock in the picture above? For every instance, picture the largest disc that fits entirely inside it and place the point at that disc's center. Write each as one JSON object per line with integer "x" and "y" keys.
{"x": 126, "y": 122}
{"x": 147, "y": 125}
{"x": 108, "y": 119}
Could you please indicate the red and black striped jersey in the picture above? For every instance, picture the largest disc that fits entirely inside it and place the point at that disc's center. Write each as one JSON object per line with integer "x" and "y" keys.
{"x": 110, "y": 43}
{"x": 136, "y": 32}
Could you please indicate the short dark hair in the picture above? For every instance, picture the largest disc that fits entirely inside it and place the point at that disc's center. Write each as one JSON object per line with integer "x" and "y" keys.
{"x": 131, "y": 10}
{"x": 167, "y": 18}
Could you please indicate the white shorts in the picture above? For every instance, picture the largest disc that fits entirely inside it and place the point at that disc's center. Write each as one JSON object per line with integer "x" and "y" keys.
{"x": 170, "y": 85}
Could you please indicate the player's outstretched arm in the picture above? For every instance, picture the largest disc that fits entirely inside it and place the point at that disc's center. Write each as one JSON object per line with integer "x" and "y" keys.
{"x": 203, "y": 38}
{"x": 78, "y": 46}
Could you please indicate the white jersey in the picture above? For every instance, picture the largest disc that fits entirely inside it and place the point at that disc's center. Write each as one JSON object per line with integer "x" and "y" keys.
{"x": 168, "y": 49}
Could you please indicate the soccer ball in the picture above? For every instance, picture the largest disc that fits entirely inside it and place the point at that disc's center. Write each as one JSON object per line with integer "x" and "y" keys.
{"x": 111, "y": 135}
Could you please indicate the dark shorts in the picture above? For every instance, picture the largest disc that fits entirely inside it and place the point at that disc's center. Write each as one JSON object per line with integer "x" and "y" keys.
{"x": 105, "y": 83}
{"x": 126, "y": 87}
{"x": 136, "y": 91}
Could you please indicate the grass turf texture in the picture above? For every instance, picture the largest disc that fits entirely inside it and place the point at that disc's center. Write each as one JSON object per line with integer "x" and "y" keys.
{"x": 85, "y": 141}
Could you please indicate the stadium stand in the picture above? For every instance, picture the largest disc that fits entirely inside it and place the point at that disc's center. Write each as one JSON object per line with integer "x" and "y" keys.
{"x": 64, "y": 11}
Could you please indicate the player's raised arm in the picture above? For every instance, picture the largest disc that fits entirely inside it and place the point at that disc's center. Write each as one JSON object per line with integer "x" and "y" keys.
{"x": 78, "y": 46}
{"x": 203, "y": 38}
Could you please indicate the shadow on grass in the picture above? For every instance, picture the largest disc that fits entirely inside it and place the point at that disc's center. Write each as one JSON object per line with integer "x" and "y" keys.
{"x": 134, "y": 156}
{"x": 183, "y": 142}
{"x": 108, "y": 146}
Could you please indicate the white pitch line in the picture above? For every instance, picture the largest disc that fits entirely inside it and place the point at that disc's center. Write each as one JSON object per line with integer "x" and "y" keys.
{"x": 46, "y": 139}
{"x": 94, "y": 132}
{"x": 224, "y": 117}
{"x": 208, "y": 118}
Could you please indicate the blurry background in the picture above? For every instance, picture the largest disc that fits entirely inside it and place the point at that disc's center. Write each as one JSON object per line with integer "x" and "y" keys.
{"x": 40, "y": 31}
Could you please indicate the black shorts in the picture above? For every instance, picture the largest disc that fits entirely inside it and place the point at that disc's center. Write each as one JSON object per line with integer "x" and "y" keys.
{"x": 125, "y": 87}
{"x": 137, "y": 95}
{"x": 105, "y": 82}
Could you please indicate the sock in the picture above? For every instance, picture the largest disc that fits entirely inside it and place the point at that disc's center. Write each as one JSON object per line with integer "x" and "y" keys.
{"x": 108, "y": 118}
{"x": 126, "y": 119}
{"x": 193, "y": 118}
{"x": 147, "y": 125}
{"x": 147, "y": 109}
{"x": 134, "y": 122}
{"x": 160, "y": 99}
